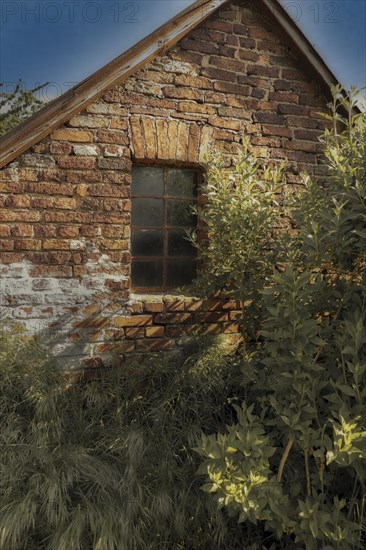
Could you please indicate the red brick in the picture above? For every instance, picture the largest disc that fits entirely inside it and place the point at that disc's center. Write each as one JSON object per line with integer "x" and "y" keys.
{"x": 114, "y": 164}
{"x": 56, "y": 244}
{"x": 50, "y": 188}
{"x": 249, "y": 43}
{"x": 51, "y": 271}
{"x": 4, "y": 230}
{"x": 311, "y": 135}
{"x": 28, "y": 244}
{"x": 293, "y": 74}
{"x": 58, "y": 258}
{"x": 191, "y": 107}
{"x": 175, "y": 305}
{"x": 241, "y": 30}
{"x": 60, "y": 148}
{"x": 10, "y": 257}
{"x": 184, "y": 93}
{"x": 133, "y": 321}
{"x": 259, "y": 70}
{"x": 198, "y": 46}
{"x": 44, "y": 231}
{"x": 291, "y": 109}
{"x": 300, "y": 145}
{"x": 290, "y": 97}
{"x": 134, "y": 333}
{"x": 153, "y": 307}
{"x": 229, "y": 64}
{"x": 270, "y": 45}
{"x": 11, "y": 187}
{"x": 66, "y": 134}
{"x": 231, "y": 88}
{"x": 18, "y": 201}
{"x": 259, "y": 32}
{"x": 112, "y": 136}
{"x": 269, "y": 118}
{"x": 116, "y": 286}
{"x": 227, "y": 51}
{"x": 193, "y": 81}
{"x": 19, "y": 216}
{"x": 68, "y": 231}
{"x": 248, "y": 55}
{"x": 154, "y": 332}
{"x": 6, "y": 245}
{"x": 172, "y": 318}
{"x": 282, "y": 85}
{"x": 79, "y": 163}
{"x": 219, "y": 74}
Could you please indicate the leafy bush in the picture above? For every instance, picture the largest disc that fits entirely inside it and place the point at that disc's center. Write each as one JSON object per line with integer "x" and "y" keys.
{"x": 108, "y": 465}
{"x": 295, "y": 459}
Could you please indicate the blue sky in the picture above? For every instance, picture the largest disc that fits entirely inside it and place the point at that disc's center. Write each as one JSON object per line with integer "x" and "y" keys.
{"x": 64, "y": 41}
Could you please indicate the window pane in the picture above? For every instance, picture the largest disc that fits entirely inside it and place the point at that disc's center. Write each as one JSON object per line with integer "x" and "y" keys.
{"x": 180, "y": 213}
{"x": 180, "y": 272}
{"x": 182, "y": 183}
{"x": 147, "y": 243}
{"x": 147, "y": 274}
{"x": 147, "y": 181}
{"x": 148, "y": 212}
{"x": 178, "y": 245}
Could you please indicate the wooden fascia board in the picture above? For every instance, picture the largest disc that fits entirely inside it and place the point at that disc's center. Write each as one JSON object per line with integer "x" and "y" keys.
{"x": 75, "y": 100}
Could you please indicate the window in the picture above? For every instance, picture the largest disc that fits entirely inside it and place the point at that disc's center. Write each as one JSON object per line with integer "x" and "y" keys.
{"x": 162, "y": 200}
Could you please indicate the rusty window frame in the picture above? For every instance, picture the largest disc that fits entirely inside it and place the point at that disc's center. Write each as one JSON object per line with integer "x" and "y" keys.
{"x": 165, "y": 227}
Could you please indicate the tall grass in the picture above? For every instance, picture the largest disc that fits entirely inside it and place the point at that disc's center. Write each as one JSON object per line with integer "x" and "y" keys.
{"x": 108, "y": 465}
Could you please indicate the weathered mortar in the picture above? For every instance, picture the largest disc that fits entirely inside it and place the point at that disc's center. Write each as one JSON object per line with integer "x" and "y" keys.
{"x": 65, "y": 203}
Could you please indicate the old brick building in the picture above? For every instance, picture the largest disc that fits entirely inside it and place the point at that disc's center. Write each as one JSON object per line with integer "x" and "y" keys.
{"x": 136, "y": 131}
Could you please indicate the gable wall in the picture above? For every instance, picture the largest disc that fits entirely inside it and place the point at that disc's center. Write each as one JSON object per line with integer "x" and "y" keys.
{"x": 65, "y": 204}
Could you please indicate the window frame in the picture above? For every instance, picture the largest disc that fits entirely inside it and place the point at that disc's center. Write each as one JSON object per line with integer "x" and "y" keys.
{"x": 165, "y": 227}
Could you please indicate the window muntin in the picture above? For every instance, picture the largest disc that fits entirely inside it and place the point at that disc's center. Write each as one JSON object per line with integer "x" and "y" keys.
{"x": 162, "y": 200}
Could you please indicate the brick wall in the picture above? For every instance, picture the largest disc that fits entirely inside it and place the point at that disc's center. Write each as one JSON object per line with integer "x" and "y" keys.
{"x": 65, "y": 203}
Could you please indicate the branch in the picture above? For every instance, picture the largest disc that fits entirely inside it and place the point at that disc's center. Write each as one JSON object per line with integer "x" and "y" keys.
{"x": 284, "y": 458}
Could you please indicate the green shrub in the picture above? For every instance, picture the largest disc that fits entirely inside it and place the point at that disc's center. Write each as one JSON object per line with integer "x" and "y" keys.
{"x": 108, "y": 465}
{"x": 294, "y": 461}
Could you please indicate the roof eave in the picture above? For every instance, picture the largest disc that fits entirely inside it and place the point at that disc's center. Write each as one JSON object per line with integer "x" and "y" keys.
{"x": 64, "y": 107}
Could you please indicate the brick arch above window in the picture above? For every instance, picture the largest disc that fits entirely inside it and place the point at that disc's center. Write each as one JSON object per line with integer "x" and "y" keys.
{"x": 168, "y": 139}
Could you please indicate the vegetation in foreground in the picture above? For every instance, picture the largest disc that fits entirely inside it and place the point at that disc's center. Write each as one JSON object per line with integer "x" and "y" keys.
{"x": 109, "y": 465}
{"x": 295, "y": 459}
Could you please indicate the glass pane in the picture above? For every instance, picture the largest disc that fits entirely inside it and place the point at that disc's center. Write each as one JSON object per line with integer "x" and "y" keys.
{"x": 147, "y": 181}
{"x": 147, "y": 212}
{"x": 182, "y": 182}
{"x": 180, "y": 213}
{"x": 180, "y": 272}
{"x": 147, "y": 243}
{"x": 178, "y": 245}
{"x": 147, "y": 274}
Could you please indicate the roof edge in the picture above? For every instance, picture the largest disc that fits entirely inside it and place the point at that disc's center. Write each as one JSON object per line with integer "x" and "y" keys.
{"x": 64, "y": 107}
